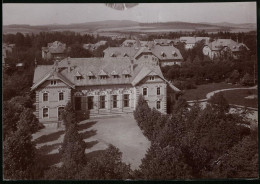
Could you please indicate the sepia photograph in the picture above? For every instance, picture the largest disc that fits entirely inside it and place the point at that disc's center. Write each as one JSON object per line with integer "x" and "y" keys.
{"x": 129, "y": 91}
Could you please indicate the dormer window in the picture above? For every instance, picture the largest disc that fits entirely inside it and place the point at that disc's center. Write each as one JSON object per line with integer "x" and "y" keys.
{"x": 152, "y": 78}
{"x": 127, "y": 76}
{"x": 114, "y": 74}
{"x": 125, "y": 55}
{"x": 103, "y": 74}
{"x": 113, "y": 55}
{"x": 103, "y": 77}
{"x": 90, "y": 75}
{"x": 78, "y": 75}
{"x": 53, "y": 82}
{"x": 126, "y": 73}
{"x": 163, "y": 54}
{"x": 174, "y": 53}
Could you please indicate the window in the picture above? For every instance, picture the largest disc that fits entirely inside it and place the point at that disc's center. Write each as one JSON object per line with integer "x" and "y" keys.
{"x": 145, "y": 56}
{"x": 77, "y": 103}
{"x": 102, "y": 102}
{"x": 61, "y": 96}
{"x": 60, "y": 110}
{"x": 151, "y": 77}
{"x": 91, "y": 77}
{"x": 78, "y": 77}
{"x": 127, "y": 76}
{"x": 126, "y": 100}
{"x": 45, "y": 113}
{"x": 53, "y": 82}
{"x": 90, "y": 102}
{"x": 144, "y": 91}
{"x": 116, "y": 76}
{"x": 158, "y": 91}
{"x": 45, "y": 97}
{"x": 158, "y": 105}
{"x": 114, "y": 101}
{"x": 103, "y": 77}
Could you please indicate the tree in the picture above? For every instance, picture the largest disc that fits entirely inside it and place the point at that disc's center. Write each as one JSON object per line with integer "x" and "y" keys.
{"x": 69, "y": 116}
{"x": 165, "y": 163}
{"x": 219, "y": 103}
{"x": 19, "y": 155}
{"x": 77, "y": 51}
{"x": 234, "y": 77}
{"x": 29, "y": 122}
{"x": 247, "y": 79}
{"x": 11, "y": 115}
{"x": 241, "y": 161}
{"x": 107, "y": 165}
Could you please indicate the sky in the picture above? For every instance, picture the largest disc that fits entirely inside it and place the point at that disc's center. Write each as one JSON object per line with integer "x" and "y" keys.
{"x": 41, "y": 14}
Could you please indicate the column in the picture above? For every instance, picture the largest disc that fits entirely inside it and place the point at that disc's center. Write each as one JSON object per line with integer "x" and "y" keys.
{"x": 108, "y": 101}
{"x": 121, "y": 101}
{"x": 96, "y": 102}
{"x": 37, "y": 104}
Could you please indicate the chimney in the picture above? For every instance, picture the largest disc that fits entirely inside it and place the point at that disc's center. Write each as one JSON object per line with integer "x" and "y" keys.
{"x": 68, "y": 62}
{"x": 132, "y": 65}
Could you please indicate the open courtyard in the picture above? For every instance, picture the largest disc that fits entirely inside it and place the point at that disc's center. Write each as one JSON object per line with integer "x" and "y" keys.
{"x": 121, "y": 131}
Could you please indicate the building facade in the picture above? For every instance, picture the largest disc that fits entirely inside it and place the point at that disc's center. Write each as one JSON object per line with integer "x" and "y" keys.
{"x": 190, "y": 41}
{"x": 224, "y": 48}
{"x": 99, "y": 86}
{"x": 54, "y": 50}
{"x": 164, "y": 55}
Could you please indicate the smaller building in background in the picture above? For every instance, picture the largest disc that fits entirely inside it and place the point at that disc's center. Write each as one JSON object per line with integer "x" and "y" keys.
{"x": 166, "y": 42}
{"x": 190, "y": 41}
{"x": 224, "y": 48}
{"x": 94, "y": 46}
{"x": 6, "y": 50}
{"x": 55, "y": 50}
{"x": 164, "y": 55}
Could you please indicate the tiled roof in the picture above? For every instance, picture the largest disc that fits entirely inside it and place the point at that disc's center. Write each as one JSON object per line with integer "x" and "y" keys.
{"x": 193, "y": 40}
{"x": 165, "y": 42}
{"x": 85, "y": 66}
{"x": 219, "y": 44}
{"x": 170, "y": 52}
{"x": 162, "y": 52}
{"x": 55, "y": 47}
{"x": 120, "y": 52}
{"x": 128, "y": 42}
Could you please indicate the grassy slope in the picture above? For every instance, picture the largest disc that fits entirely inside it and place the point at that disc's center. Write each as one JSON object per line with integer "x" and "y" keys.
{"x": 237, "y": 97}
{"x": 203, "y": 90}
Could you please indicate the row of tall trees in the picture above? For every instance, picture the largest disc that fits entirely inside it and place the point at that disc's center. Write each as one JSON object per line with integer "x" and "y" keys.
{"x": 75, "y": 165}
{"x": 197, "y": 143}
{"x": 19, "y": 151}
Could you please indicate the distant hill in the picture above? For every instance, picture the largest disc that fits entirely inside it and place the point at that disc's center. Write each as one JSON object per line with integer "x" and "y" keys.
{"x": 127, "y": 25}
{"x": 227, "y": 24}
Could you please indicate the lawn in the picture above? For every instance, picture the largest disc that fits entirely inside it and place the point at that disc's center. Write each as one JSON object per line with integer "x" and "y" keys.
{"x": 202, "y": 90}
{"x": 237, "y": 97}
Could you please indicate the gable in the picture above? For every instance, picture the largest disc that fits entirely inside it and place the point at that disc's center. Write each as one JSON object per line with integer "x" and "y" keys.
{"x": 52, "y": 75}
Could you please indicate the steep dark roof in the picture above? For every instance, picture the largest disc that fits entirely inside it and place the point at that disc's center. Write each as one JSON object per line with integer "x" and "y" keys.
{"x": 68, "y": 69}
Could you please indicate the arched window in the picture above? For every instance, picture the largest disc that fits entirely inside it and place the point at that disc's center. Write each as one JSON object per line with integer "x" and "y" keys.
{"x": 158, "y": 105}
{"x": 61, "y": 96}
{"x": 45, "y": 97}
{"x": 145, "y": 93}
{"x": 158, "y": 91}
{"x": 60, "y": 110}
{"x": 45, "y": 113}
